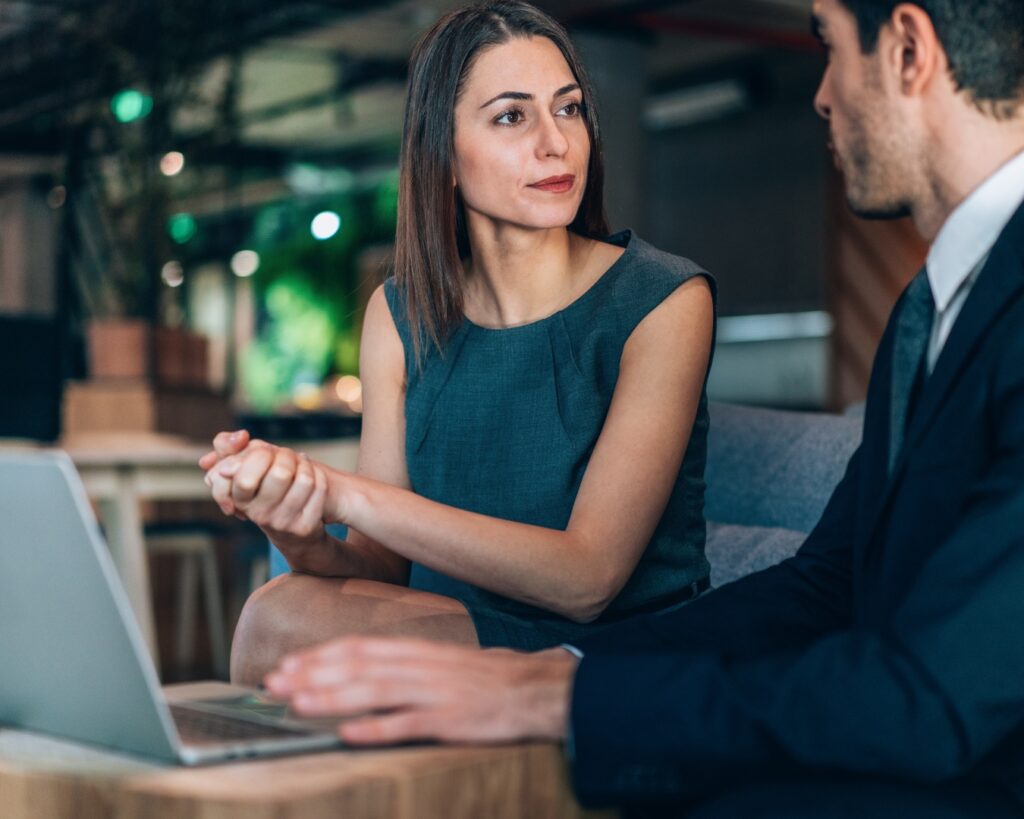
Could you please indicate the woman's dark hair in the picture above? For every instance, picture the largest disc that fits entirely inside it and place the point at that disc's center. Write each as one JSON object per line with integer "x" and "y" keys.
{"x": 431, "y": 238}
{"x": 983, "y": 40}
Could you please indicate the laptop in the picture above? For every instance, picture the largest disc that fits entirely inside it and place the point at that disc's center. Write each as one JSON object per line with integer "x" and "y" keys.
{"x": 72, "y": 659}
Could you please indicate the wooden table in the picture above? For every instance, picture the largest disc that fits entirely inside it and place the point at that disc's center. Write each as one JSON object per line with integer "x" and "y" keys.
{"x": 45, "y": 778}
{"x": 122, "y": 469}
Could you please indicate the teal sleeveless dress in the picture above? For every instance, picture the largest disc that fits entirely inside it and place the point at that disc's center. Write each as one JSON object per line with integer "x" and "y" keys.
{"x": 504, "y": 422}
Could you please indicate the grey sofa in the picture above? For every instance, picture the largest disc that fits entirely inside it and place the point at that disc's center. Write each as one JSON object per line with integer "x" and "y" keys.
{"x": 769, "y": 476}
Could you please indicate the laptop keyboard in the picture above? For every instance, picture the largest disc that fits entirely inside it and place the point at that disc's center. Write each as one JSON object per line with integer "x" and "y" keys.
{"x": 197, "y": 727}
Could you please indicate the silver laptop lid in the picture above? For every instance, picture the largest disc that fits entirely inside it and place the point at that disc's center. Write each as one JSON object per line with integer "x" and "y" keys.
{"x": 72, "y": 659}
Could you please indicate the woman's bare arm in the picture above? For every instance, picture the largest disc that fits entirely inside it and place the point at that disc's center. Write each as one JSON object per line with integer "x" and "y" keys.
{"x": 576, "y": 572}
{"x": 579, "y": 571}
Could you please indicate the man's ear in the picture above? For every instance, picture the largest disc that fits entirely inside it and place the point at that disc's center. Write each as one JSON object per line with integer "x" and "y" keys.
{"x": 914, "y": 50}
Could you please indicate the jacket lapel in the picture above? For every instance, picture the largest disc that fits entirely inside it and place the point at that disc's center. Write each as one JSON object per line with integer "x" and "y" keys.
{"x": 1000, "y": 279}
{"x": 993, "y": 291}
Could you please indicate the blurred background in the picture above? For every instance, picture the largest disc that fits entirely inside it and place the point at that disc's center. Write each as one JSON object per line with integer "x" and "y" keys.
{"x": 197, "y": 198}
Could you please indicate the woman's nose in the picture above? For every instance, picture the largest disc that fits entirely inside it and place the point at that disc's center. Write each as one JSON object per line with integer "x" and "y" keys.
{"x": 551, "y": 141}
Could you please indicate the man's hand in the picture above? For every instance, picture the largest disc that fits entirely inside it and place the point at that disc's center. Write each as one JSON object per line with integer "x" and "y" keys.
{"x": 399, "y": 690}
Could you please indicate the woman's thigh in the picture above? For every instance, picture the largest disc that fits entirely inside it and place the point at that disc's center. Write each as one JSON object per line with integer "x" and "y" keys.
{"x": 295, "y": 611}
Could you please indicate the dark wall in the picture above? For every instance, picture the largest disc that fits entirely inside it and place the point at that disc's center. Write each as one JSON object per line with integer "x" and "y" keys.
{"x": 744, "y": 195}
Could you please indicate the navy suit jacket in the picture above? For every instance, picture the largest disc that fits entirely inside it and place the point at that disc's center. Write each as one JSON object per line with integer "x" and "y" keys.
{"x": 891, "y": 645}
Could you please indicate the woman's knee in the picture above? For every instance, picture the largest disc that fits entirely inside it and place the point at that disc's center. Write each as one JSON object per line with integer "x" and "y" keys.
{"x": 273, "y": 622}
{"x": 295, "y": 611}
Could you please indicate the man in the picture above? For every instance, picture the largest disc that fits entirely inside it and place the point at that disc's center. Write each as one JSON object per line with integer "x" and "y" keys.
{"x": 881, "y": 669}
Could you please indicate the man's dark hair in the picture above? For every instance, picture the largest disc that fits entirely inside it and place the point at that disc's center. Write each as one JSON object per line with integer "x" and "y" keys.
{"x": 983, "y": 39}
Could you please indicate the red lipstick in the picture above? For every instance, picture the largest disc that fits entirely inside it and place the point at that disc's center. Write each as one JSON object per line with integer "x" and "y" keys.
{"x": 556, "y": 184}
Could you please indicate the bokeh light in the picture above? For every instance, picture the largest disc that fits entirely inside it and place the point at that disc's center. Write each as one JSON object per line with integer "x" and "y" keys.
{"x": 130, "y": 105}
{"x": 57, "y": 197}
{"x": 325, "y": 225}
{"x": 172, "y": 163}
{"x": 245, "y": 262}
{"x": 308, "y": 397}
{"x": 349, "y": 389}
{"x": 172, "y": 274}
{"x": 181, "y": 227}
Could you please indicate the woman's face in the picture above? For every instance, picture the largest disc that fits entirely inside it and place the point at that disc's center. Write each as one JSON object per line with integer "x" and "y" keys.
{"x": 521, "y": 143}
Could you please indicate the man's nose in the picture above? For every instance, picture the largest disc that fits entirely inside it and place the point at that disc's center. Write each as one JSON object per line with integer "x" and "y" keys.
{"x": 822, "y": 100}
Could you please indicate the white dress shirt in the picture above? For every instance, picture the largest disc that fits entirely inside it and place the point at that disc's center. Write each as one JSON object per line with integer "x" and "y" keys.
{"x": 964, "y": 243}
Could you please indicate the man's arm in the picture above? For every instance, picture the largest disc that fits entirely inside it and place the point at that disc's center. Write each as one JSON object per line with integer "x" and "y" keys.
{"x": 924, "y": 700}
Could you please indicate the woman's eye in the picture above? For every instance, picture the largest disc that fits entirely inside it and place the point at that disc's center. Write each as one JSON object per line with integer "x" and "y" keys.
{"x": 571, "y": 109}
{"x": 511, "y": 117}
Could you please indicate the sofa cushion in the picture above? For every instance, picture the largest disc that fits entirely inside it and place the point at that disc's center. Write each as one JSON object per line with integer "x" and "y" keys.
{"x": 775, "y": 468}
{"x": 735, "y": 551}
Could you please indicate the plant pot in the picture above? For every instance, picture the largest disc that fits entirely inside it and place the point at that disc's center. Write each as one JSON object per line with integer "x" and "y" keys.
{"x": 119, "y": 348}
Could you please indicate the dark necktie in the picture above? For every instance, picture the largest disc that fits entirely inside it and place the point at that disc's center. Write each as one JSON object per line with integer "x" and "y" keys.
{"x": 913, "y": 331}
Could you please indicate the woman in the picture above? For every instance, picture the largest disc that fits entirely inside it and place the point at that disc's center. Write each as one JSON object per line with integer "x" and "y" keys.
{"x": 530, "y": 387}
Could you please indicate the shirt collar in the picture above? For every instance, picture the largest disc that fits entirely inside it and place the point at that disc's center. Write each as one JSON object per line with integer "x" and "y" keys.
{"x": 972, "y": 229}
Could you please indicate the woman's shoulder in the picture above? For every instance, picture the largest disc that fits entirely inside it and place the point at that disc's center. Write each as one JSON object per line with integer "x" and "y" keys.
{"x": 396, "y": 302}
{"x": 389, "y": 292}
{"x": 647, "y": 264}
{"x": 640, "y": 280}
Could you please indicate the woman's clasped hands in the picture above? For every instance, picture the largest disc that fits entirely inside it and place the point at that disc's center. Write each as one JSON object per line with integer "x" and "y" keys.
{"x": 283, "y": 492}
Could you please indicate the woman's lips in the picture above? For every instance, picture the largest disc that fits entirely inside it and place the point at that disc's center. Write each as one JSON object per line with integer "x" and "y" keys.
{"x": 555, "y": 184}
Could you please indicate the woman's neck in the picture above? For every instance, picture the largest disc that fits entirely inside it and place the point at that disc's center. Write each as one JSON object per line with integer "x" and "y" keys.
{"x": 517, "y": 276}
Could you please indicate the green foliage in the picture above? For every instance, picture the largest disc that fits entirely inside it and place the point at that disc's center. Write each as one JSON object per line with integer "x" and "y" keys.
{"x": 308, "y": 291}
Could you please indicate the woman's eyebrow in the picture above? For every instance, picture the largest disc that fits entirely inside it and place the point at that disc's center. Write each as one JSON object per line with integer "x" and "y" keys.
{"x": 522, "y": 95}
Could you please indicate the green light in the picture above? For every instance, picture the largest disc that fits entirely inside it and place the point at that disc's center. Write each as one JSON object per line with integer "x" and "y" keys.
{"x": 181, "y": 227}
{"x": 130, "y": 105}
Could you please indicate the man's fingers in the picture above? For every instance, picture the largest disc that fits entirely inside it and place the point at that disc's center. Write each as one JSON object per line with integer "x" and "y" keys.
{"x": 402, "y": 726}
{"x": 359, "y": 698}
{"x": 418, "y": 675}
{"x": 379, "y": 648}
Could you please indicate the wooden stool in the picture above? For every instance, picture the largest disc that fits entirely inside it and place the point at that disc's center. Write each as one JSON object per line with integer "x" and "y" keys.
{"x": 196, "y": 545}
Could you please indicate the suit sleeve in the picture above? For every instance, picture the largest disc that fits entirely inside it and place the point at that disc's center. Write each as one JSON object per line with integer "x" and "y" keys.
{"x": 925, "y": 700}
{"x": 784, "y": 606}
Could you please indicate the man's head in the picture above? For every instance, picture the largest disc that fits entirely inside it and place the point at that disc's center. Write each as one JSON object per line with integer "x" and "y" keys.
{"x": 901, "y": 74}
{"x": 983, "y": 41}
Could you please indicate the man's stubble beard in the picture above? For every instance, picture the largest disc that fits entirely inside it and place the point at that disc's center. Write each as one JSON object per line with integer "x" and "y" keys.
{"x": 875, "y": 176}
